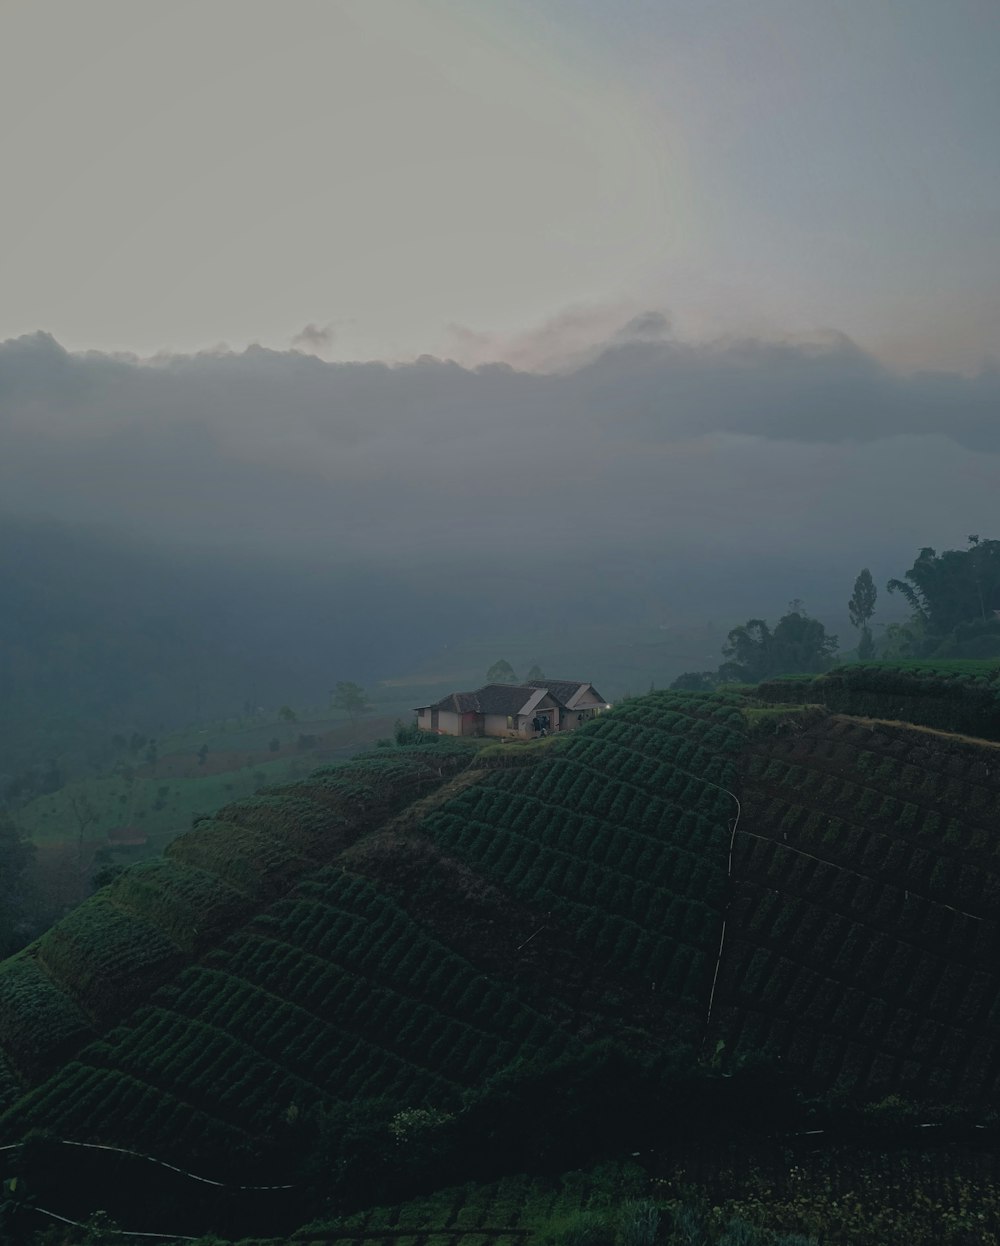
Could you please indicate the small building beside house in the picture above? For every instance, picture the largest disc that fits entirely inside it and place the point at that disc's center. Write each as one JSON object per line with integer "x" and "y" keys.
{"x": 513, "y": 711}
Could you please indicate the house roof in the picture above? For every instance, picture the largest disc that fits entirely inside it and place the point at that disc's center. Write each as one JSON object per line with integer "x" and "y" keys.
{"x": 566, "y": 691}
{"x": 492, "y": 699}
{"x": 514, "y": 698}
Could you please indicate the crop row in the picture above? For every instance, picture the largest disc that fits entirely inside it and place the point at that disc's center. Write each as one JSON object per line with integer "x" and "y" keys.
{"x": 104, "y": 955}
{"x": 969, "y": 704}
{"x": 909, "y": 1055}
{"x": 249, "y": 859}
{"x": 616, "y": 764}
{"x": 202, "y": 1065}
{"x": 871, "y": 844}
{"x": 346, "y": 922}
{"x": 683, "y": 805}
{"x": 189, "y": 904}
{"x": 515, "y": 1202}
{"x": 902, "y": 788}
{"x": 648, "y": 758}
{"x": 38, "y": 1021}
{"x": 899, "y": 911}
{"x": 87, "y": 1103}
{"x": 357, "y": 1007}
{"x": 684, "y": 869}
{"x": 642, "y": 928}
{"x": 537, "y": 862}
{"x": 898, "y": 742}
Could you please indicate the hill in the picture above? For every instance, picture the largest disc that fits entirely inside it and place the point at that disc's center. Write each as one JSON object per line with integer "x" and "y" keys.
{"x": 698, "y": 909}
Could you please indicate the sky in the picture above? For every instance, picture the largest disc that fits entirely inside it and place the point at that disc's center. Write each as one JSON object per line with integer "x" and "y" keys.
{"x": 569, "y": 308}
{"x": 378, "y": 179}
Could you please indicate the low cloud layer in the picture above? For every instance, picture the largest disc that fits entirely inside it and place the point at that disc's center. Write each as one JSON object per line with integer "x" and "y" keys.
{"x": 314, "y": 338}
{"x": 648, "y": 447}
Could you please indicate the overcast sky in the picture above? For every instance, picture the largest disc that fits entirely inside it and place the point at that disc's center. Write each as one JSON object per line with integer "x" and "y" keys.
{"x": 566, "y": 294}
{"x": 484, "y": 179}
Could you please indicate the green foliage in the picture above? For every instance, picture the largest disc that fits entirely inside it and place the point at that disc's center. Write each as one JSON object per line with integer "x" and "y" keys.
{"x": 798, "y": 644}
{"x": 622, "y": 833}
{"x": 582, "y": 1228}
{"x": 950, "y": 695}
{"x": 501, "y": 672}
{"x": 16, "y": 856}
{"x": 106, "y": 957}
{"x": 695, "y": 681}
{"x": 351, "y": 699}
{"x": 861, "y": 607}
{"x": 39, "y": 1022}
{"x": 638, "y": 1223}
{"x": 953, "y": 588}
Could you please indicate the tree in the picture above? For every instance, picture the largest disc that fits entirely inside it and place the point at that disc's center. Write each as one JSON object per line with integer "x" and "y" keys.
{"x": 536, "y": 672}
{"x": 861, "y": 607}
{"x": 287, "y": 714}
{"x": 16, "y": 857}
{"x": 351, "y": 698}
{"x": 954, "y": 587}
{"x": 85, "y": 815}
{"x": 748, "y": 653}
{"x": 798, "y": 645}
{"x": 501, "y": 672}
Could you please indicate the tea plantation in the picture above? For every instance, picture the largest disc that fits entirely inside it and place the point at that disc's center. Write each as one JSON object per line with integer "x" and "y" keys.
{"x": 699, "y": 916}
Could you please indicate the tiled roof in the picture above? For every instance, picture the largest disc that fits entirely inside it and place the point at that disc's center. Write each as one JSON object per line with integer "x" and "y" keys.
{"x": 510, "y": 698}
{"x": 491, "y": 699}
{"x": 563, "y": 690}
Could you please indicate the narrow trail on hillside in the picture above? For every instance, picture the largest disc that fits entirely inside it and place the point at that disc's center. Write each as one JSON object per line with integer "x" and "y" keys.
{"x": 899, "y": 723}
{"x": 725, "y": 911}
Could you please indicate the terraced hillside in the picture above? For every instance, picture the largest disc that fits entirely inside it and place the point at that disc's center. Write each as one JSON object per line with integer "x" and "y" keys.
{"x": 955, "y": 696}
{"x": 863, "y": 944}
{"x": 378, "y": 975}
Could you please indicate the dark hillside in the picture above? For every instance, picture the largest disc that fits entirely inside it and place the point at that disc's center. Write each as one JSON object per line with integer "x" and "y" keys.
{"x": 958, "y": 696}
{"x": 512, "y": 956}
{"x": 864, "y": 937}
{"x": 107, "y": 955}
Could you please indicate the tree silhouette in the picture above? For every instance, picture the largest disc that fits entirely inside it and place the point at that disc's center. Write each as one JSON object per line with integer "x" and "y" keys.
{"x": 861, "y": 607}
{"x": 501, "y": 672}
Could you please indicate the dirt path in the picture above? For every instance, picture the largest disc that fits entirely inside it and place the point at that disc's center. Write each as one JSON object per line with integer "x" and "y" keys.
{"x": 908, "y": 726}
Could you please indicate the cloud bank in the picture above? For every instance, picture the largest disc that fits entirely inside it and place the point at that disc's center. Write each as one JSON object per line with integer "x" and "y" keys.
{"x": 649, "y": 447}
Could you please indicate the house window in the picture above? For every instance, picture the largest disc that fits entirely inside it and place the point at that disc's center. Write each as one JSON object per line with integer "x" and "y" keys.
{"x": 510, "y": 722}
{"x": 420, "y": 713}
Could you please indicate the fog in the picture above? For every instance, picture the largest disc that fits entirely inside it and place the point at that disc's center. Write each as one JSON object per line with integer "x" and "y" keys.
{"x": 650, "y": 448}
{"x": 190, "y": 532}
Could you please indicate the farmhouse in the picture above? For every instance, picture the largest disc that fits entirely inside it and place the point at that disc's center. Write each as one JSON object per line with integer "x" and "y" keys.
{"x": 513, "y": 710}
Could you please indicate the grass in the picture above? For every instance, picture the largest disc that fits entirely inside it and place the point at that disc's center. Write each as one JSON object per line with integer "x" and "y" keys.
{"x": 775, "y": 719}
{"x": 160, "y": 807}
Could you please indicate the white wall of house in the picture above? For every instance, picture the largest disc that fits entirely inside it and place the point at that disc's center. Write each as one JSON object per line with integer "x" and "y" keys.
{"x": 502, "y": 726}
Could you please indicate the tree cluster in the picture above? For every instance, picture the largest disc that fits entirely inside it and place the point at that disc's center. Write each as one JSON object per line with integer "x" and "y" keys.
{"x": 797, "y": 644}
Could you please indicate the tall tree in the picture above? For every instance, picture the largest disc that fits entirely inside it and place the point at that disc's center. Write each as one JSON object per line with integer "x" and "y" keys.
{"x": 954, "y": 587}
{"x": 351, "y": 698}
{"x": 798, "y": 645}
{"x": 501, "y": 672}
{"x": 861, "y": 607}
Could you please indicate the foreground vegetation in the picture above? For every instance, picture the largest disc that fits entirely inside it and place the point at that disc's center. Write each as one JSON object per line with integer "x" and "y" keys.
{"x": 699, "y": 925}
